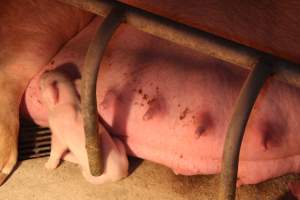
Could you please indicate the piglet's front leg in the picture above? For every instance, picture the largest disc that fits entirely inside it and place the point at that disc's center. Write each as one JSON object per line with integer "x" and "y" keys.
{"x": 65, "y": 120}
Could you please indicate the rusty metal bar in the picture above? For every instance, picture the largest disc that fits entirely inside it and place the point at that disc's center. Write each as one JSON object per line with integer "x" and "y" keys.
{"x": 198, "y": 40}
{"x": 235, "y": 132}
{"x": 88, "y": 90}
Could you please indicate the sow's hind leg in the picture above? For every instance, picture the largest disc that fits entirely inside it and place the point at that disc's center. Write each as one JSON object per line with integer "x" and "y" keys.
{"x": 10, "y": 93}
{"x": 30, "y": 35}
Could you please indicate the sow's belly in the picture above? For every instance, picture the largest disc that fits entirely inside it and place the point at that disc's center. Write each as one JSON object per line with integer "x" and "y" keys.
{"x": 172, "y": 105}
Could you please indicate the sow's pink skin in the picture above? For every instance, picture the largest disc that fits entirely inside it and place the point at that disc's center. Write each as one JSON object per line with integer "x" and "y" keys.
{"x": 172, "y": 106}
{"x": 60, "y": 98}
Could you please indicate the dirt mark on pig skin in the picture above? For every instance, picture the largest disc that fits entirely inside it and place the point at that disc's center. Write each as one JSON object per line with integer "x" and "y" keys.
{"x": 184, "y": 113}
{"x": 154, "y": 107}
{"x": 145, "y": 97}
{"x": 157, "y": 106}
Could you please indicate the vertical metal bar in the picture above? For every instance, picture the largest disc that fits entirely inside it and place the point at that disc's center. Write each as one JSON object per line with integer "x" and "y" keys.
{"x": 236, "y": 129}
{"x": 88, "y": 89}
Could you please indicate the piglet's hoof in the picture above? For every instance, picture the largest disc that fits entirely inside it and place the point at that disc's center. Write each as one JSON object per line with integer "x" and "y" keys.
{"x": 51, "y": 165}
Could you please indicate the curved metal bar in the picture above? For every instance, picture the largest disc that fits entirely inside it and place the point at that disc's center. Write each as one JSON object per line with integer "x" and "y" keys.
{"x": 88, "y": 89}
{"x": 235, "y": 132}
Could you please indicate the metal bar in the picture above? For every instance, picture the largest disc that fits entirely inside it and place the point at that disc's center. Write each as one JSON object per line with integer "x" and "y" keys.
{"x": 35, "y": 150}
{"x": 88, "y": 90}
{"x": 236, "y": 128}
{"x": 198, "y": 40}
{"x": 31, "y": 156}
{"x": 34, "y": 138}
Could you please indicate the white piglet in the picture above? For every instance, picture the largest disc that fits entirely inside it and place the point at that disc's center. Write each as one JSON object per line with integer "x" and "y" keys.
{"x": 59, "y": 96}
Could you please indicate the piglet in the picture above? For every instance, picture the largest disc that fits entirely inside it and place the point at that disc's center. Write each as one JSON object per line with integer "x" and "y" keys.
{"x": 60, "y": 97}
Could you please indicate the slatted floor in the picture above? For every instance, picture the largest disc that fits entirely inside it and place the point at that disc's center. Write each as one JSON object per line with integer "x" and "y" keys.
{"x": 34, "y": 141}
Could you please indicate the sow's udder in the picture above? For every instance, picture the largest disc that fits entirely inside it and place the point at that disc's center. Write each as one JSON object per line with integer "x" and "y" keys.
{"x": 172, "y": 105}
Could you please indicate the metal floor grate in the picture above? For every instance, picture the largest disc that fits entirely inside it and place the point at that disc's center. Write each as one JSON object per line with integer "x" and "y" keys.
{"x": 34, "y": 141}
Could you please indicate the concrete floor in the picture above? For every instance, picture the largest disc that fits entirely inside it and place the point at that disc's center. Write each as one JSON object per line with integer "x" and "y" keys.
{"x": 31, "y": 181}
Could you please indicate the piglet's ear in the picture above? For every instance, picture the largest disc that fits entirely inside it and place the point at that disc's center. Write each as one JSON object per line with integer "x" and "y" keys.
{"x": 50, "y": 94}
{"x": 77, "y": 84}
